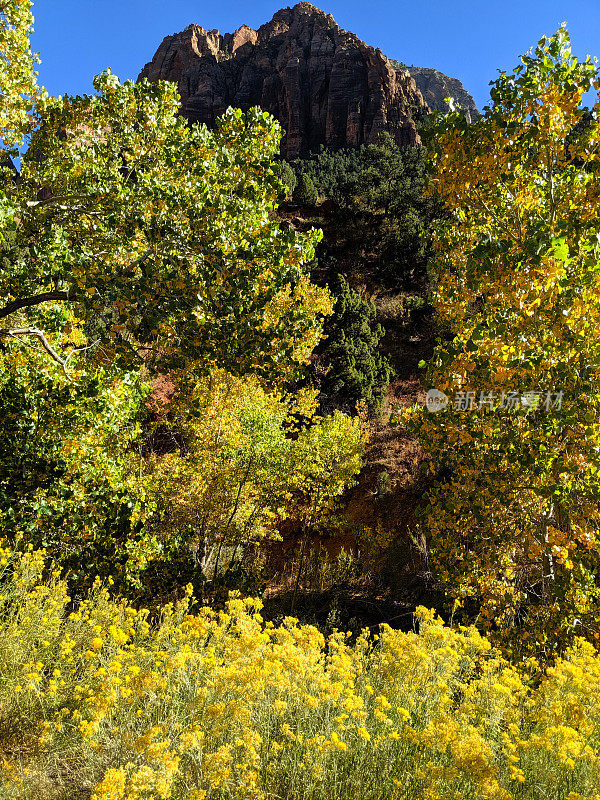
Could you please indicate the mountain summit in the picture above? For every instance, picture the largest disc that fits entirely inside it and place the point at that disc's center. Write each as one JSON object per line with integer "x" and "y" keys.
{"x": 322, "y": 83}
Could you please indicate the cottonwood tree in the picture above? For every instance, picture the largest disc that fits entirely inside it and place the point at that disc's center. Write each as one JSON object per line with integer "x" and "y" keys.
{"x": 18, "y": 85}
{"x": 514, "y": 525}
{"x": 130, "y": 243}
{"x": 159, "y": 235}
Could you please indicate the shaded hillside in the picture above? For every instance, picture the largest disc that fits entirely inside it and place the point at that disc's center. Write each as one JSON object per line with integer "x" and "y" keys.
{"x": 352, "y": 114}
{"x": 380, "y": 509}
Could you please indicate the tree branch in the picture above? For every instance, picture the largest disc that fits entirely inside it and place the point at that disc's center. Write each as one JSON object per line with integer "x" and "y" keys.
{"x": 16, "y": 332}
{"x": 55, "y": 200}
{"x": 34, "y": 300}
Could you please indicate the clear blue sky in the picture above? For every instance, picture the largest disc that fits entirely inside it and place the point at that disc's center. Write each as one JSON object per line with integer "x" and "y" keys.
{"x": 468, "y": 39}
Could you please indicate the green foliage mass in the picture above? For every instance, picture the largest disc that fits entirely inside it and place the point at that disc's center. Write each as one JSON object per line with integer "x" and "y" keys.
{"x": 390, "y": 189}
{"x": 159, "y": 235}
{"x": 379, "y": 190}
{"x": 333, "y": 172}
{"x": 67, "y": 482}
{"x": 381, "y": 221}
{"x": 356, "y": 370}
{"x": 18, "y": 89}
{"x": 287, "y": 176}
{"x": 305, "y": 192}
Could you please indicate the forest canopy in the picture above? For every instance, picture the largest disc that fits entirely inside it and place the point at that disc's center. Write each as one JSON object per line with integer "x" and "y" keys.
{"x": 134, "y": 248}
{"x": 161, "y": 430}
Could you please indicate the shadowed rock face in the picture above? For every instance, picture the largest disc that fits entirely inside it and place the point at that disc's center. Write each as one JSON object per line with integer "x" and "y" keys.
{"x": 322, "y": 83}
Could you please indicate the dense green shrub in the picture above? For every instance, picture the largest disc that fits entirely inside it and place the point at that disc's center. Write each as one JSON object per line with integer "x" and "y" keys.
{"x": 356, "y": 370}
{"x": 305, "y": 192}
{"x": 390, "y": 192}
{"x": 333, "y": 172}
{"x": 382, "y": 187}
{"x": 286, "y": 175}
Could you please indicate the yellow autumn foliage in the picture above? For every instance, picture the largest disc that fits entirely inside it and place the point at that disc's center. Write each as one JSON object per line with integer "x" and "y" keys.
{"x": 101, "y": 702}
{"x": 251, "y": 459}
{"x": 512, "y": 517}
{"x": 18, "y": 87}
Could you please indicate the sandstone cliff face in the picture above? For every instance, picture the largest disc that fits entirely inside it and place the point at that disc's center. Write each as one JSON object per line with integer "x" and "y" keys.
{"x": 322, "y": 83}
{"x": 436, "y": 87}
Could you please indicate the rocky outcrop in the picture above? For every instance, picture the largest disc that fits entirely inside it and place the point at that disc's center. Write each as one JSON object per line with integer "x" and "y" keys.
{"x": 322, "y": 83}
{"x": 436, "y": 87}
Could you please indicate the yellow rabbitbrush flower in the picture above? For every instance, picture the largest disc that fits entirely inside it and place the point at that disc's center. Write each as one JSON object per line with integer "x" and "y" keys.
{"x": 220, "y": 705}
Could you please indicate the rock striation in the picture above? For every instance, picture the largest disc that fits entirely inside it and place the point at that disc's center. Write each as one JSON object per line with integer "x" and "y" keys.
{"x": 322, "y": 83}
{"x": 437, "y": 87}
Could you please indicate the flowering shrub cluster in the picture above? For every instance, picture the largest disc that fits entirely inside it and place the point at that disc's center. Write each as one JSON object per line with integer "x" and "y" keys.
{"x": 99, "y": 702}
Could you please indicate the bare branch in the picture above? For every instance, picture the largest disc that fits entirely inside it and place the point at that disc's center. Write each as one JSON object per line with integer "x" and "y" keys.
{"x": 17, "y": 332}
{"x": 82, "y": 349}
